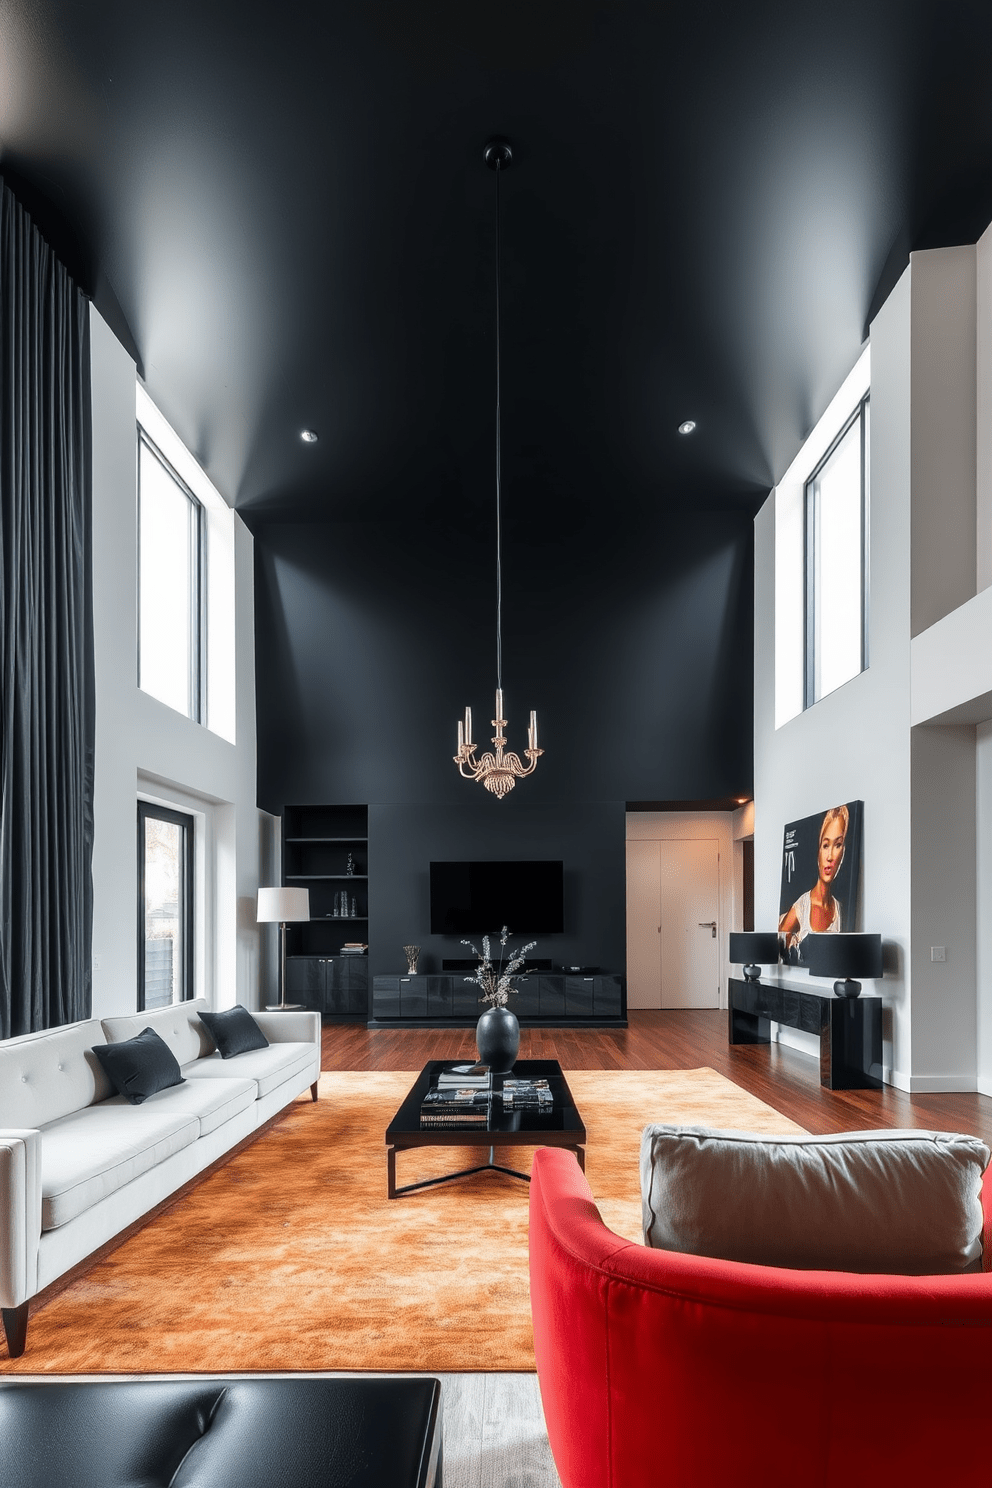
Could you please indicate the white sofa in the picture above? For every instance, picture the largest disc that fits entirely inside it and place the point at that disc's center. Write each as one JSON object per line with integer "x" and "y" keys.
{"x": 78, "y": 1164}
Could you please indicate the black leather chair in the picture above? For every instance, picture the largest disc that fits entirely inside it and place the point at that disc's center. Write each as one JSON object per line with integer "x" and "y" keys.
{"x": 222, "y": 1433}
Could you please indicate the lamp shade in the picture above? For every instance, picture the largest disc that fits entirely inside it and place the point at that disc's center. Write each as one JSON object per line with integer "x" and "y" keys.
{"x": 283, "y": 904}
{"x": 760, "y": 947}
{"x": 842, "y": 955}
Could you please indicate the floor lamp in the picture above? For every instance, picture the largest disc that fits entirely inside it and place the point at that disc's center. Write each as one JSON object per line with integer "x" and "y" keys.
{"x": 280, "y": 906}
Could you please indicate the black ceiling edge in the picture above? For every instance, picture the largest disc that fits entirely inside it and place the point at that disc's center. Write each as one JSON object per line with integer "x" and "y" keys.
{"x": 714, "y": 803}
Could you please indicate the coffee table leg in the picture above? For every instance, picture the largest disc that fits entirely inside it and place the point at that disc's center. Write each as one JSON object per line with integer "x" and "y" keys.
{"x": 390, "y": 1172}
{"x": 580, "y": 1153}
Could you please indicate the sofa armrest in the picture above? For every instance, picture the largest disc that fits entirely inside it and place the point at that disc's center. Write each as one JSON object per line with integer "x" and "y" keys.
{"x": 20, "y": 1215}
{"x": 290, "y": 1028}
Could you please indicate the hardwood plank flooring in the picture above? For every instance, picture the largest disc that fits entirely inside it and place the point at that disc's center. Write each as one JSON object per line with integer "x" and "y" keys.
{"x": 683, "y": 1039}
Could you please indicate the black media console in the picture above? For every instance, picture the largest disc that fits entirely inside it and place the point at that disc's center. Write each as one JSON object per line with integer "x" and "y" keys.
{"x": 549, "y": 998}
{"x": 849, "y": 1029}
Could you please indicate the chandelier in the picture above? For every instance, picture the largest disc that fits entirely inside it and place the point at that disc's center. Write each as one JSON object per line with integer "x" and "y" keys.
{"x": 498, "y": 772}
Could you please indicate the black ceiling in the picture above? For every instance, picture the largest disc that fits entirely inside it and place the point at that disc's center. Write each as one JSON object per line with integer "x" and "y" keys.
{"x": 283, "y": 209}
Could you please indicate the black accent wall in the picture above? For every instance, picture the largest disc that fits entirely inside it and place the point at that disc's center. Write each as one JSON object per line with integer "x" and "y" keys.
{"x": 588, "y": 836}
{"x": 631, "y": 639}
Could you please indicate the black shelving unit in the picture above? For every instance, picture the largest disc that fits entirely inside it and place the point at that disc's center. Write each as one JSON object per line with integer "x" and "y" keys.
{"x": 316, "y": 842}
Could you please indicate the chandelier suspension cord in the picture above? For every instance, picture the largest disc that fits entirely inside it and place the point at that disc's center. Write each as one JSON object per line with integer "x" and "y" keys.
{"x": 499, "y": 770}
{"x": 499, "y": 535}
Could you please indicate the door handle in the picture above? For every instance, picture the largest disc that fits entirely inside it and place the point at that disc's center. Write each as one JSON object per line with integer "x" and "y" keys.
{"x": 708, "y": 925}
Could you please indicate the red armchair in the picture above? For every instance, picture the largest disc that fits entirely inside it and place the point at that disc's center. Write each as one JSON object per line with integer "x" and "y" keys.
{"x": 661, "y": 1370}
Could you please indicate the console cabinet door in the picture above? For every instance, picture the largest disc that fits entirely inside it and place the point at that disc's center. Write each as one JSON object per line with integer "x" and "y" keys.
{"x": 305, "y": 981}
{"x": 606, "y": 997}
{"x": 356, "y": 986}
{"x": 439, "y": 996}
{"x": 579, "y": 996}
{"x": 526, "y": 1004}
{"x": 465, "y": 997}
{"x": 386, "y": 997}
{"x": 413, "y": 997}
{"x": 551, "y": 996}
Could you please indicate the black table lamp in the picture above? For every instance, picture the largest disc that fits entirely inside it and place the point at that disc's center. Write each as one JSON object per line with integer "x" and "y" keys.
{"x": 753, "y": 949}
{"x": 844, "y": 957}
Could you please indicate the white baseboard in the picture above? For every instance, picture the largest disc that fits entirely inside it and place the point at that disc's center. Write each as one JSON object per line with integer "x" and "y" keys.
{"x": 942, "y": 1084}
{"x": 983, "y": 1086}
{"x": 895, "y": 1078}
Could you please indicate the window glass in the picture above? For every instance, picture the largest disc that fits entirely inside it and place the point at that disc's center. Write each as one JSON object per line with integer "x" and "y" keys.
{"x": 168, "y": 585}
{"x": 835, "y": 567}
{"x": 165, "y": 907}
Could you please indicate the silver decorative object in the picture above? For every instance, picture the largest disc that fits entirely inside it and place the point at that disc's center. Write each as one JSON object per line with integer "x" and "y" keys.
{"x": 411, "y": 953}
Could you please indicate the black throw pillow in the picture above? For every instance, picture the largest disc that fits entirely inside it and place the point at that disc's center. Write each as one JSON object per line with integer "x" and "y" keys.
{"x": 234, "y": 1031}
{"x": 139, "y": 1066}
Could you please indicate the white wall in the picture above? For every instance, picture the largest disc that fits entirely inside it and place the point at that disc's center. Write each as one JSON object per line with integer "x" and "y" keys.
{"x": 144, "y": 747}
{"x": 927, "y": 789}
{"x": 853, "y": 744}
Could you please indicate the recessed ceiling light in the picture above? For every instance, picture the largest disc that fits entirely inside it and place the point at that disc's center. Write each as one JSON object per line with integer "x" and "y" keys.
{"x": 687, "y": 427}
{"x": 308, "y": 436}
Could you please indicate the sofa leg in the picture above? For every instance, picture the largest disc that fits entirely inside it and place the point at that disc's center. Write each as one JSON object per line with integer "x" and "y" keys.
{"x": 313, "y": 1089}
{"x": 15, "y": 1325}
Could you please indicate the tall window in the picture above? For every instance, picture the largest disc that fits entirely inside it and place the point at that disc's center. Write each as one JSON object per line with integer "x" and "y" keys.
{"x": 170, "y": 585}
{"x": 165, "y": 906}
{"x": 836, "y": 561}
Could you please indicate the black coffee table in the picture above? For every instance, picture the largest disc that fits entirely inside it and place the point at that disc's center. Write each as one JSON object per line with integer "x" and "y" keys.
{"x": 560, "y": 1127}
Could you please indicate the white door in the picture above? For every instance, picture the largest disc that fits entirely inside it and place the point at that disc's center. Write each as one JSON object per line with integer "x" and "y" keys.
{"x": 673, "y": 929}
{"x": 690, "y": 923}
{"x": 643, "y": 925}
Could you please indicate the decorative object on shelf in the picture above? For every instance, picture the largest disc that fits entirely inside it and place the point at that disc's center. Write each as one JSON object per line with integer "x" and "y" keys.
{"x": 411, "y": 953}
{"x": 497, "y": 1033}
{"x": 354, "y": 907}
{"x": 282, "y": 906}
{"x": 748, "y": 948}
{"x": 845, "y": 957}
{"x": 498, "y": 772}
{"x": 350, "y": 869}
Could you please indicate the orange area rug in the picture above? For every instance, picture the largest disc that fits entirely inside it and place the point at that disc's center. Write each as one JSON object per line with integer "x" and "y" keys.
{"x": 290, "y": 1257}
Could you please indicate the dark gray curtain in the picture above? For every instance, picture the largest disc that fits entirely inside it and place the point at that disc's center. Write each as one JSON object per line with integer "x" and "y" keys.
{"x": 46, "y": 635}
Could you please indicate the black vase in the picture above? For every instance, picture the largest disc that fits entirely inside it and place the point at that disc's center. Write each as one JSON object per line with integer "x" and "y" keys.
{"x": 497, "y": 1037}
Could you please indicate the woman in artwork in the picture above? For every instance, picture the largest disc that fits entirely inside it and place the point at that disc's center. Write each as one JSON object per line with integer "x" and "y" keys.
{"x": 818, "y": 910}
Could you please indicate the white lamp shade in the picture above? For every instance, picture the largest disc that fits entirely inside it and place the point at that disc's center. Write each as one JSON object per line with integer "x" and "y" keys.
{"x": 283, "y": 904}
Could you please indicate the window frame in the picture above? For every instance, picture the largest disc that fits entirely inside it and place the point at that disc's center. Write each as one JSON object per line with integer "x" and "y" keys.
{"x": 859, "y": 415}
{"x": 197, "y": 660}
{"x": 187, "y": 821}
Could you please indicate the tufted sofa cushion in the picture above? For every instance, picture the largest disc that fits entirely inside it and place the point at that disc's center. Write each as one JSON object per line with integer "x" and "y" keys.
{"x": 46, "y": 1075}
{"x": 178, "y": 1025}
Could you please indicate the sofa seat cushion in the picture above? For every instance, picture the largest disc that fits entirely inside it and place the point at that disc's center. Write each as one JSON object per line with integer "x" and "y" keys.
{"x": 212, "y": 1102}
{"x": 269, "y": 1068}
{"x": 94, "y": 1152}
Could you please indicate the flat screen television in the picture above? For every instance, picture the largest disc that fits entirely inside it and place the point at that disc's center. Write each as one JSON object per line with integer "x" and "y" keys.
{"x": 480, "y": 898}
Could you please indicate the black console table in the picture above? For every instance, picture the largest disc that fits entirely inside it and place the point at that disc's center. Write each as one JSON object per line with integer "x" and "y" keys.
{"x": 849, "y": 1029}
{"x": 427, "y": 999}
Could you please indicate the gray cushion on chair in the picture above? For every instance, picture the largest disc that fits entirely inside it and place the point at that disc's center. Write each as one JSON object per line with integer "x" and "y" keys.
{"x": 895, "y": 1202}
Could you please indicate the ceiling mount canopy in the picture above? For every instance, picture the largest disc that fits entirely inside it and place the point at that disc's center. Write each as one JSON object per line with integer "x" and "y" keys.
{"x": 498, "y": 772}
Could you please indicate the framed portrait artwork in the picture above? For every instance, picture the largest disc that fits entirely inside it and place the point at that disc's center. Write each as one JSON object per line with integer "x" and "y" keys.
{"x": 821, "y": 873}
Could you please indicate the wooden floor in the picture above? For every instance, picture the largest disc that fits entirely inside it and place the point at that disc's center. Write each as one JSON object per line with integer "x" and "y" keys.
{"x": 786, "y": 1079}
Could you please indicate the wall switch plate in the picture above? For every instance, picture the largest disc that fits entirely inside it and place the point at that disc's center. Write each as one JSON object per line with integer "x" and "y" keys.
{"x": 938, "y": 953}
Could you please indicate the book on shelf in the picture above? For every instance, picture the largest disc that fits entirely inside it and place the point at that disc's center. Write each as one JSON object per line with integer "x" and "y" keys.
{"x": 477, "y": 1075}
